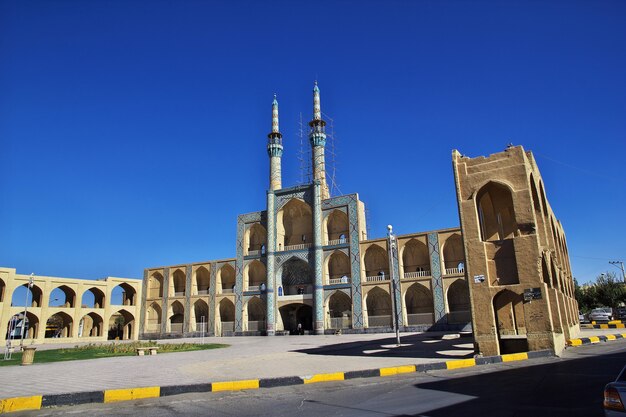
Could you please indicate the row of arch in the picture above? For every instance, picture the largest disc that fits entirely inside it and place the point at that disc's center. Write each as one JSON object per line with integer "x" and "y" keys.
{"x": 417, "y": 306}
{"x": 65, "y": 296}
{"x": 414, "y": 257}
{"x": 120, "y": 325}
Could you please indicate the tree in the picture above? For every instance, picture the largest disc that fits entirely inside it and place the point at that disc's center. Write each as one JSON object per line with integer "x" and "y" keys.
{"x": 609, "y": 290}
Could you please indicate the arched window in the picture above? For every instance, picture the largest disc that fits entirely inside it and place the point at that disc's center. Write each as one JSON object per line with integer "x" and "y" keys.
{"x": 338, "y": 267}
{"x": 337, "y": 227}
{"x": 255, "y": 273}
{"x": 179, "y": 283}
{"x": 124, "y": 295}
{"x": 62, "y": 296}
{"x": 226, "y": 279}
{"x": 256, "y": 239}
{"x": 59, "y": 325}
{"x": 453, "y": 256}
{"x": 495, "y": 212}
{"x": 376, "y": 263}
{"x": 155, "y": 286}
{"x": 415, "y": 259}
{"x": 121, "y": 326}
{"x": 93, "y": 298}
{"x": 90, "y": 325}
{"x": 294, "y": 224}
{"x": 203, "y": 281}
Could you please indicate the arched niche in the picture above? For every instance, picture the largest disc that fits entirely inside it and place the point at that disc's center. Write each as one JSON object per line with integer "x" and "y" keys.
{"x": 255, "y": 274}
{"x": 225, "y": 318}
{"x": 202, "y": 279}
{"x": 294, "y": 225}
{"x": 200, "y": 316}
{"x": 153, "y": 318}
{"x": 226, "y": 279}
{"x": 337, "y": 227}
{"x": 419, "y": 305}
{"x": 378, "y": 303}
{"x": 256, "y": 314}
{"x": 338, "y": 268}
{"x": 376, "y": 263}
{"x": 255, "y": 239}
{"x": 340, "y": 310}
{"x": 496, "y": 214}
{"x": 415, "y": 259}
{"x": 453, "y": 255}
{"x": 177, "y": 317}
{"x": 18, "y": 327}
{"x": 296, "y": 277}
{"x": 23, "y": 294}
{"x": 178, "y": 283}
{"x": 155, "y": 286}
{"x": 458, "y": 300}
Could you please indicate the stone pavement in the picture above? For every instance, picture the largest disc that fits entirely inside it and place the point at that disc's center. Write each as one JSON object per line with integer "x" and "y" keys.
{"x": 246, "y": 358}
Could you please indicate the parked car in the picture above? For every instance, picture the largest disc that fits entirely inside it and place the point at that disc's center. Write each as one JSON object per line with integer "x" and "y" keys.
{"x": 614, "y": 396}
{"x": 601, "y": 314}
{"x": 621, "y": 313}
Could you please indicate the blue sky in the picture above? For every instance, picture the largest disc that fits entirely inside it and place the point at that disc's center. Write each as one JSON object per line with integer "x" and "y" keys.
{"x": 133, "y": 133}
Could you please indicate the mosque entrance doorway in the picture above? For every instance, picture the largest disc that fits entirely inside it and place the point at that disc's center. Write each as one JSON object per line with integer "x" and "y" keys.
{"x": 294, "y": 314}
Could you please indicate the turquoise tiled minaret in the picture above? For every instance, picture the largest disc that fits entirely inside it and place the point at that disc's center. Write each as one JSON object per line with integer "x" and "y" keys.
{"x": 275, "y": 149}
{"x": 317, "y": 137}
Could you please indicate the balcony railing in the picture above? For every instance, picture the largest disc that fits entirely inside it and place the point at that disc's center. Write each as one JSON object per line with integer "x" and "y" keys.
{"x": 203, "y": 292}
{"x": 228, "y": 326}
{"x": 379, "y": 321}
{"x": 417, "y": 274}
{"x": 254, "y": 252}
{"x": 179, "y": 294}
{"x": 340, "y": 280}
{"x": 453, "y": 271}
{"x": 298, "y": 247}
{"x": 420, "y": 318}
{"x": 228, "y": 290}
{"x": 255, "y": 326}
{"x": 377, "y": 278}
{"x": 340, "y": 322}
{"x": 254, "y": 288}
{"x": 337, "y": 242}
{"x": 176, "y": 327}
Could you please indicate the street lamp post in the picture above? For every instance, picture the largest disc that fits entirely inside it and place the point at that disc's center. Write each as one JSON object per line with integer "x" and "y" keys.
{"x": 31, "y": 282}
{"x": 621, "y": 266}
{"x": 393, "y": 251}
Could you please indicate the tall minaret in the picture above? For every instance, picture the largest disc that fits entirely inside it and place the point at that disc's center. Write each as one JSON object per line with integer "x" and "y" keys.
{"x": 275, "y": 149}
{"x": 317, "y": 136}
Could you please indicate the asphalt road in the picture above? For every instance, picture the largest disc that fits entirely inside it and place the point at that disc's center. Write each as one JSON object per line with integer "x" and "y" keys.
{"x": 570, "y": 386}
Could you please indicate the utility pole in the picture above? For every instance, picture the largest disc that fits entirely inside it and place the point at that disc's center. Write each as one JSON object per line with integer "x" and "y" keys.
{"x": 621, "y": 266}
{"x": 392, "y": 243}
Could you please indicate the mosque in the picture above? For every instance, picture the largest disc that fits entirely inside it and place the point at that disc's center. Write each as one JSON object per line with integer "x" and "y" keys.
{"x": 305, "y": 265}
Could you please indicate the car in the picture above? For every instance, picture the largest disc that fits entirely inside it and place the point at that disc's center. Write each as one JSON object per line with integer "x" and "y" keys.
{"x": 581, "y": 317}
{"x": 601, "y": 314}
{"x": 621, "y": 313}
{"x": 614, "y": 396}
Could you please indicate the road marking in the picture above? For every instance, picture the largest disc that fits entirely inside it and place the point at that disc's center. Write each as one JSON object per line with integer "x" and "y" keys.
{"x": 515, "y": 357}
{"x": 461, "y": 363}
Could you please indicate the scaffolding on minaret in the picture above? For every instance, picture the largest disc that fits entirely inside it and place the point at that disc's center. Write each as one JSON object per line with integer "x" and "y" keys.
{"x": 304, "y": 154}
{"x": 331, "y": 160}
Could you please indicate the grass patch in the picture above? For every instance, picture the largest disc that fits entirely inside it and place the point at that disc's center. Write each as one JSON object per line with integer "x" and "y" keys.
{"x": 94, "y": 351}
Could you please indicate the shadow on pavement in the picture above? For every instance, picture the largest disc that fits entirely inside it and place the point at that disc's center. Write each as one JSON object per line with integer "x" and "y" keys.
{"x": 425, "y": 345}
{"x": 565, "y": 388}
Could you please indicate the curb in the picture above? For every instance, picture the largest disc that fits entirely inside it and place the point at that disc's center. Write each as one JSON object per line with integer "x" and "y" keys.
{"x": 595, "y": 339}
{"x": 37, "y": 402}
{"x": 603, "y": 326}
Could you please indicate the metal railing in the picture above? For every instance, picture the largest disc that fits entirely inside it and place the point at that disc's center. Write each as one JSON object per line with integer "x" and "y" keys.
{"x": 336, "y": 242}
{"x": 379, "y": 321}
{"x": 417, "y": 274}
{"x": 377, "y": 278}
{"x": 228, "y": 290}
{"x": 179, "y": 294}
{"x": 228, "y": 326}
{"x": 298, "y": 247}
{"x": 253, "y": 288}
{"x": 254, "y": 252}
{"x": 453, "y": 271}
{"x": 255, "y": 326}
{"x": 203, "y": 292}
{"x": 420, "y": 318}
